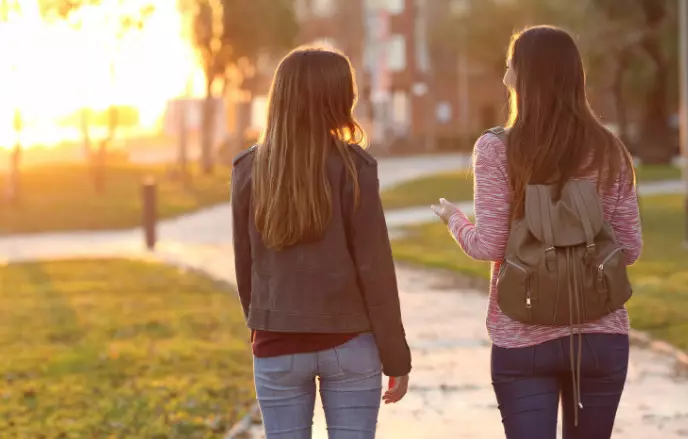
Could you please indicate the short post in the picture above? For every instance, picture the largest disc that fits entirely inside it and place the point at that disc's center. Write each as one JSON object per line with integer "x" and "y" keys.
{"x": 150, "y": 211}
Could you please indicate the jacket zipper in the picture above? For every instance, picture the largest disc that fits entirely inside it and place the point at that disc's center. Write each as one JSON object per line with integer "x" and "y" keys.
{"x": 600, "y": 268}
{"x": 529, "y": 303}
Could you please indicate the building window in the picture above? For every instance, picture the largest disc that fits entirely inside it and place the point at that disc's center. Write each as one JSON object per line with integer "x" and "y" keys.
{"x": 400, "y": 112}
{"x": 396, "y": 53}
{"x": 421, "y": 36}
{"x": 395, "y": 7}
{"x": 323, "y": 8}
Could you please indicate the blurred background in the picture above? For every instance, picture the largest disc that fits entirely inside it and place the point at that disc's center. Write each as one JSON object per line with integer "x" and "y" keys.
{"x": 118, "y": 123}
{"x": 166, "y": 81}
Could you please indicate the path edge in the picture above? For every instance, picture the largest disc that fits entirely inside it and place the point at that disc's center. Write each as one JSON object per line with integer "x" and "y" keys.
{"x": 481, "y": 285}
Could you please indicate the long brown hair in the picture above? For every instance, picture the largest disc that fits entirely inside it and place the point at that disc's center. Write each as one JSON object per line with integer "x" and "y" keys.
{"x": 554, "y": 135}
{"x": 310, "y": 114}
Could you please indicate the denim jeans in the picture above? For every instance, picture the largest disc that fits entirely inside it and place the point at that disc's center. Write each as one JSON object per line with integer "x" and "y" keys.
{"x": 529, "y": 382}
{"x": 350, "y": 381}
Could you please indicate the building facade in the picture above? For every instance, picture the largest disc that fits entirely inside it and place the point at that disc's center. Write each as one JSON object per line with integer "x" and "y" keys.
{"x": 411, "y": 98}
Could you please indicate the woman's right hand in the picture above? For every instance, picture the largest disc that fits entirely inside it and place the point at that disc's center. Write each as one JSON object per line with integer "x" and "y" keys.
{"x": 397, "y": 389}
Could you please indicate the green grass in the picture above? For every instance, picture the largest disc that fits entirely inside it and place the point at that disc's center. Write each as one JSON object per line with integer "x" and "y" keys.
{"x": 651, "y": 173}
{"x": 660, "y": 278}
{"x": 121, "y": 349}
{"x": 454, "y": 186}
{"x": 63, "y": 198}
{"x": 458, "y": 186}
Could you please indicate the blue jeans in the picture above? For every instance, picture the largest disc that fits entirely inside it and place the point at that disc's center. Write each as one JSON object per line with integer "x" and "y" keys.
{"x": 529, "y": 382}
{"x": 350, "y": 388}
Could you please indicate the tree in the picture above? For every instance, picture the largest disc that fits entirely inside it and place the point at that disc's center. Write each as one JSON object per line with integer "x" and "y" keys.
{"x": 7, "y": 9}
{"x": 655, "y": 135}
{"x": 625, "y": 40}
{"x": 487, "y": 25}
{"x": 14, "y": 186}
{"x": 641, "y": 44}
{"x": 122, "y": 18}
{"x": 230, "y": 35}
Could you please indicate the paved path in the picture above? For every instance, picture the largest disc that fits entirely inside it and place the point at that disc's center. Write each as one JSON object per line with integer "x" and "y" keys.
{"x": 209, "y": 226}
{"x": 450, "y": 391}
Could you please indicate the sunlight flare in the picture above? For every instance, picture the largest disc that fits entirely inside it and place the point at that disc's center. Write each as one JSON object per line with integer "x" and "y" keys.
{"x": 52, "y": 70}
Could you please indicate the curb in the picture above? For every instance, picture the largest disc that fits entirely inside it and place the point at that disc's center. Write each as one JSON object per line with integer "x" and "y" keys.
{"x": 249, "y": 427}
{"x": 644, "y": 340}
{"x": 451, "y": 280}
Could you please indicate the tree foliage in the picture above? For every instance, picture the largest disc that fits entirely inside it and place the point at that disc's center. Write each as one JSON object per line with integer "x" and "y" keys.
{"x": 231, "y": 35}
{"x": 629, "y": 46}
{"x": 227, "y": 31}
{"x": 122, "y": 16}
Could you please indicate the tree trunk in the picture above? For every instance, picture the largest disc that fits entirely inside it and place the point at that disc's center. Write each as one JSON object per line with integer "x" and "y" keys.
{"x": 622, "y": 62}
{"x": 655, "y": 135}
{"x": 99, "y": 158}
{"x": 14, "y": 180}
{"x": 183, "y": 144}
{"x": 86, "y": 134}
{"x": 13, "y": 188}
{"x": 242, "y": 116}
{"x": 207, "y": 129}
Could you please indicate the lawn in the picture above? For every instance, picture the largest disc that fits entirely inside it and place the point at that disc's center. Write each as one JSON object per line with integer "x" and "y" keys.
{"x": 62, "y": 197}
{"x": 660, "y": 278}
{"x": 458, "y": 186}
{"x": 454, "y": 186}
{"x": 119, "y": 349}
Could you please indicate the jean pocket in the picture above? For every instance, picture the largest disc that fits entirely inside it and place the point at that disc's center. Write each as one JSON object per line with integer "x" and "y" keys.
{"x": 610, "y": 352}
{"x": 273, "y": 367}
{"x": 510, "y": 364}
{"x": 359, "y": 356}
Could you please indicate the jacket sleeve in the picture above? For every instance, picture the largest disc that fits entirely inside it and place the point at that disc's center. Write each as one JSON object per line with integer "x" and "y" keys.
{"x": 372, "y": 254}
{"x": 240, "y": 204}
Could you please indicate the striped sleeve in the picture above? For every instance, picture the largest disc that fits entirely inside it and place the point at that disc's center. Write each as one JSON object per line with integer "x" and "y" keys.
{"x": 626, "y": 221}
{"x": 486, "y": 239}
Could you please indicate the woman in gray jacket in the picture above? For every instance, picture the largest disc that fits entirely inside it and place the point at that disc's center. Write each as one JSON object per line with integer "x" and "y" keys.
{"x": 313, "y": 260}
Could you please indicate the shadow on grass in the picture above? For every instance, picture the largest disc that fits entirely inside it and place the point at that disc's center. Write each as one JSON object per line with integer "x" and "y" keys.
{"x": 120, "y": 348}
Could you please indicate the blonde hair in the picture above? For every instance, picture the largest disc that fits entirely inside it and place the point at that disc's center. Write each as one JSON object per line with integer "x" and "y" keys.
{"x": 310, "y": 113}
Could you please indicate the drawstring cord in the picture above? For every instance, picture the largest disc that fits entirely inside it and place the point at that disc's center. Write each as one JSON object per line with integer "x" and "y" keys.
{"x": 574, "y": 296}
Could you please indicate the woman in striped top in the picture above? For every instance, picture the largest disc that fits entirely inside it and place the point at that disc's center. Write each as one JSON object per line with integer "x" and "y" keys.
{"x": 553, "y": 136}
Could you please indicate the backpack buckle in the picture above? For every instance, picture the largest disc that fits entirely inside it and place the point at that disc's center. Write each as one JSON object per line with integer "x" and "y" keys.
{"x": 589, "y": 255}
{"x": 551, "y": 259}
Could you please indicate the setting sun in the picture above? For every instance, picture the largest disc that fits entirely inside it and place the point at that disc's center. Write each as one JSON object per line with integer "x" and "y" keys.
{"x": 54, "y": 69}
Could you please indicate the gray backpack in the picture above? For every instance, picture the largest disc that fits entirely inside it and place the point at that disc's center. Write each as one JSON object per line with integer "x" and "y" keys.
{"x": 562, "y": 265}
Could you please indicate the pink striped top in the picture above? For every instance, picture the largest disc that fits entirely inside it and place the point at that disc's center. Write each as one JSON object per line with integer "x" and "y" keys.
{"x": 486, "y": 241}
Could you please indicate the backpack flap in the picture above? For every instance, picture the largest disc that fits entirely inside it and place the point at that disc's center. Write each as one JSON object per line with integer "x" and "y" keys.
{"x": 577, "y": 214}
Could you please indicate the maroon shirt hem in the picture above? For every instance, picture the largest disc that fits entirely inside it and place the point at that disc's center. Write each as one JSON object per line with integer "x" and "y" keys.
{"x": 275, "y": 344}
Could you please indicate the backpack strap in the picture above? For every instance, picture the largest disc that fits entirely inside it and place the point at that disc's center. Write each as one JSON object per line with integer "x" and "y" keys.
{"x": 498, "y": 131}
{"x": 587, "y": 225}
{"x": 550, "y": 254}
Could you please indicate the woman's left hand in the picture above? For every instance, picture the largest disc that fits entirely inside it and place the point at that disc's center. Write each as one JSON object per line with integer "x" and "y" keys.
{"x": 445, "y": 210}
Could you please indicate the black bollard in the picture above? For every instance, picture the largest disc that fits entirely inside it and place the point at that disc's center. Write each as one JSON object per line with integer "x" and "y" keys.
{"x": 150, "y": 211}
